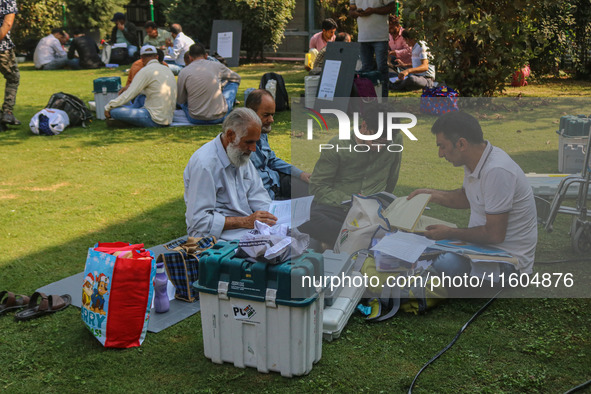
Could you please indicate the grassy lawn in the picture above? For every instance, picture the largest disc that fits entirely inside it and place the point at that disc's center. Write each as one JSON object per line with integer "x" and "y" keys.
{"x": 60, "y": 195}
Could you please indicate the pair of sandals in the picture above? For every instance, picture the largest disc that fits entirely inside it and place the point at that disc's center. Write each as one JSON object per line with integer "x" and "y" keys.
{"x": 35, "y": 306}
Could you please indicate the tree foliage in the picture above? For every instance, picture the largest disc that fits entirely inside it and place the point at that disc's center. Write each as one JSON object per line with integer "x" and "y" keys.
{"x": 263, "y": 21}
{"x": 477, "y": 44}
{"x": 34, "y": 20}
{"x": 92, "y": 14}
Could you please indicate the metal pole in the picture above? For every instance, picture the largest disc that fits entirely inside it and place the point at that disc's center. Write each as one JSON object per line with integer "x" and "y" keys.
{"x": 64, "y": 15}
{"x": 397, "y": 8}
{"x": 152, "y": 9}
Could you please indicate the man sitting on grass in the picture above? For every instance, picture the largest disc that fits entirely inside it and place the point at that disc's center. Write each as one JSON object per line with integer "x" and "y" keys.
{"x": 224, "y": 193}
{"x": 154, "y": 92}
{"x": 207, "y": 89}
{"x": 419, "y": 73}
{"x": 495, "y": 189}
{"x": 275, "y": 173}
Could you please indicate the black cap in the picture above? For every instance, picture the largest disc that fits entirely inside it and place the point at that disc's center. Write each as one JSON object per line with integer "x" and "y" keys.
{"x": 118, "y": 16}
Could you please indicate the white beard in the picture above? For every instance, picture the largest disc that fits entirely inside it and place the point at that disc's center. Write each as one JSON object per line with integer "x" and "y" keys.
{"x": 266, "y": 129}
{"x": 236, "y": 156}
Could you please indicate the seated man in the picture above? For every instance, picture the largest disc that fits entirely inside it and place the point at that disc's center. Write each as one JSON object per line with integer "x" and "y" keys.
{"x": 275, "y": 173}
{"x": 178, "y": 45}
{"x": 398, "y": 48}
{"x": 200, "y": 91}
{"x": 50, "y": 53}
{"x": 137, "y": 66}
{"x": 87, "y": 50}
{"x": 341, "y": 172}
{"x": 322, "y": 38}
{"x": 155, "y": 36}
{"x": 154, "y": 90}
{"x": 419, "y": 73}
{"x": 319, "y": 60}
{"x": 224, "y": 194}
{"x": 124, "y": 32}
{"x": 495, "y": 189}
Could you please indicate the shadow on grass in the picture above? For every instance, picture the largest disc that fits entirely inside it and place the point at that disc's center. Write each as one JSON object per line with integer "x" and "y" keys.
{"x": 97, "y": 133}
{"x": 153, "y": 227}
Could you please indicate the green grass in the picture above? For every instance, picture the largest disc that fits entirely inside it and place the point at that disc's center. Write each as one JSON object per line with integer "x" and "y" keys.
{"x": 60, "y": 195}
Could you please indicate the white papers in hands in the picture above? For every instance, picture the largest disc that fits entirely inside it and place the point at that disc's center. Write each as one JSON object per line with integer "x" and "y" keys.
{"x": 404, "y": 246}
{"x": 292, "y": 213}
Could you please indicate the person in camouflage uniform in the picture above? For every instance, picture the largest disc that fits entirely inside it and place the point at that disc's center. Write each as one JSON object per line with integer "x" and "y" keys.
{"x": 8, "y": 65}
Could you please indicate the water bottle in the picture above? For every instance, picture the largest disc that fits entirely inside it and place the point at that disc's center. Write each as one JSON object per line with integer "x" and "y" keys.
{"x": 161, "y": 302}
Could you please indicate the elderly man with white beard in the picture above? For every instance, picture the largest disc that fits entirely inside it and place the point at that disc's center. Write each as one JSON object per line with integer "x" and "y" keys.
{"x": 224, "y": 193}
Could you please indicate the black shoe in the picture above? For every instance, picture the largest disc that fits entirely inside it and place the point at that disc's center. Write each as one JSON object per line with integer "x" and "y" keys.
{"x": 8, "y": 118}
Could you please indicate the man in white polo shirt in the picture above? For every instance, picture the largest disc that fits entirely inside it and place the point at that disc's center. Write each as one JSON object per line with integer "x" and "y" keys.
{"x": 495, "y": 189}
{"x": 153, "y": 91}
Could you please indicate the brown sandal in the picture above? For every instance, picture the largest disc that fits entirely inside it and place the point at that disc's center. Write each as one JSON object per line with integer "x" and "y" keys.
{"x": 44, "y": 306}
{"x": 10, "y": 302}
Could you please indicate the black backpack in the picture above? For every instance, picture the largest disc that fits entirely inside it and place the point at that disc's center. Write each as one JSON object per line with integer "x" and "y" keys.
{"x": 281, "y": 97}
{"x": 73, "y": 106}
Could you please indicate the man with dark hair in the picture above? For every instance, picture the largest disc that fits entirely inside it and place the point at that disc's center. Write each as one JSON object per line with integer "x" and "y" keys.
{"x": 224, "y": 194}
{"x": 179, "y": 44}
{"x": 153, "y": 91}
{"x": 50, "y": 53}
{"x": 398, "y": 48}
{"x": 495, "y": 189}
{"x": 275, "y": 173}
{"x": 419, "y": 73}
{"x": 8, "y": 65}
{"x": 206, "y": 89}
{"x": 155, "y": 36}
{"x": 372, "y": 27}
{"x": 343, "y": 171}
{"x": 124, "y": 32}
{"x": 87, "y": 50}
{"x": 322, "y": 38}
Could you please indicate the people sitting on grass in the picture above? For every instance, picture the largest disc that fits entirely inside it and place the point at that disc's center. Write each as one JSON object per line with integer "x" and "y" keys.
{"x": 137, "y": 66}
{"x": 224, "y": 194}
{"x": 50, "y": 53}
{"x": 86, "y": 50}
{"x": 155, "y": 36}
{"x": 398, "y": 48}
{"x": 177, "y": 45}
{"x": 322, "y": 38}
{"x": 153, "y": 91}
{"x": 124, "y": 32}
{"x": 495, "y": 189}
{"x": 342, "y": 171}
{"x": 206, "y": 89}
{"x": 418, "y": 74}
{"x": 281, "y": 180}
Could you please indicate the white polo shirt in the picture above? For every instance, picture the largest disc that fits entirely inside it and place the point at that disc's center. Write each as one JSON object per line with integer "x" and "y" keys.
{"x": 498, "y": 185}
{"x": 374, "y": 27}
{"x": 420, "y": 52}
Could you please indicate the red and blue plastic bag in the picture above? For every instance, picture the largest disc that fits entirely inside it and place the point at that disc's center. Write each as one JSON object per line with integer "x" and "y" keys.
{"x": 439, "y": 100}
{"x": 117, "y": 293}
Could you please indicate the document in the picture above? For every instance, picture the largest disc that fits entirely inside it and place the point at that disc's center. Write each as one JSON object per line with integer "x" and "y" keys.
{"x": 225, "y": 44}
{"x": 403, "y": 246}
{"x": 404, "y": 214}
{"x": 292, "y": 213}
{"x": 328, "y": 81}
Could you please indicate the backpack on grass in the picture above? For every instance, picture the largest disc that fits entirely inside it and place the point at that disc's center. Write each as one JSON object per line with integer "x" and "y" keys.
{"x": 77, "y": 111}
{"x": 281, "y": 97}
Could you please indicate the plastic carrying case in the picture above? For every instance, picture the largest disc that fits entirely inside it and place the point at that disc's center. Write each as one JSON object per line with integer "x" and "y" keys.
{"x": 255, "y": 314}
